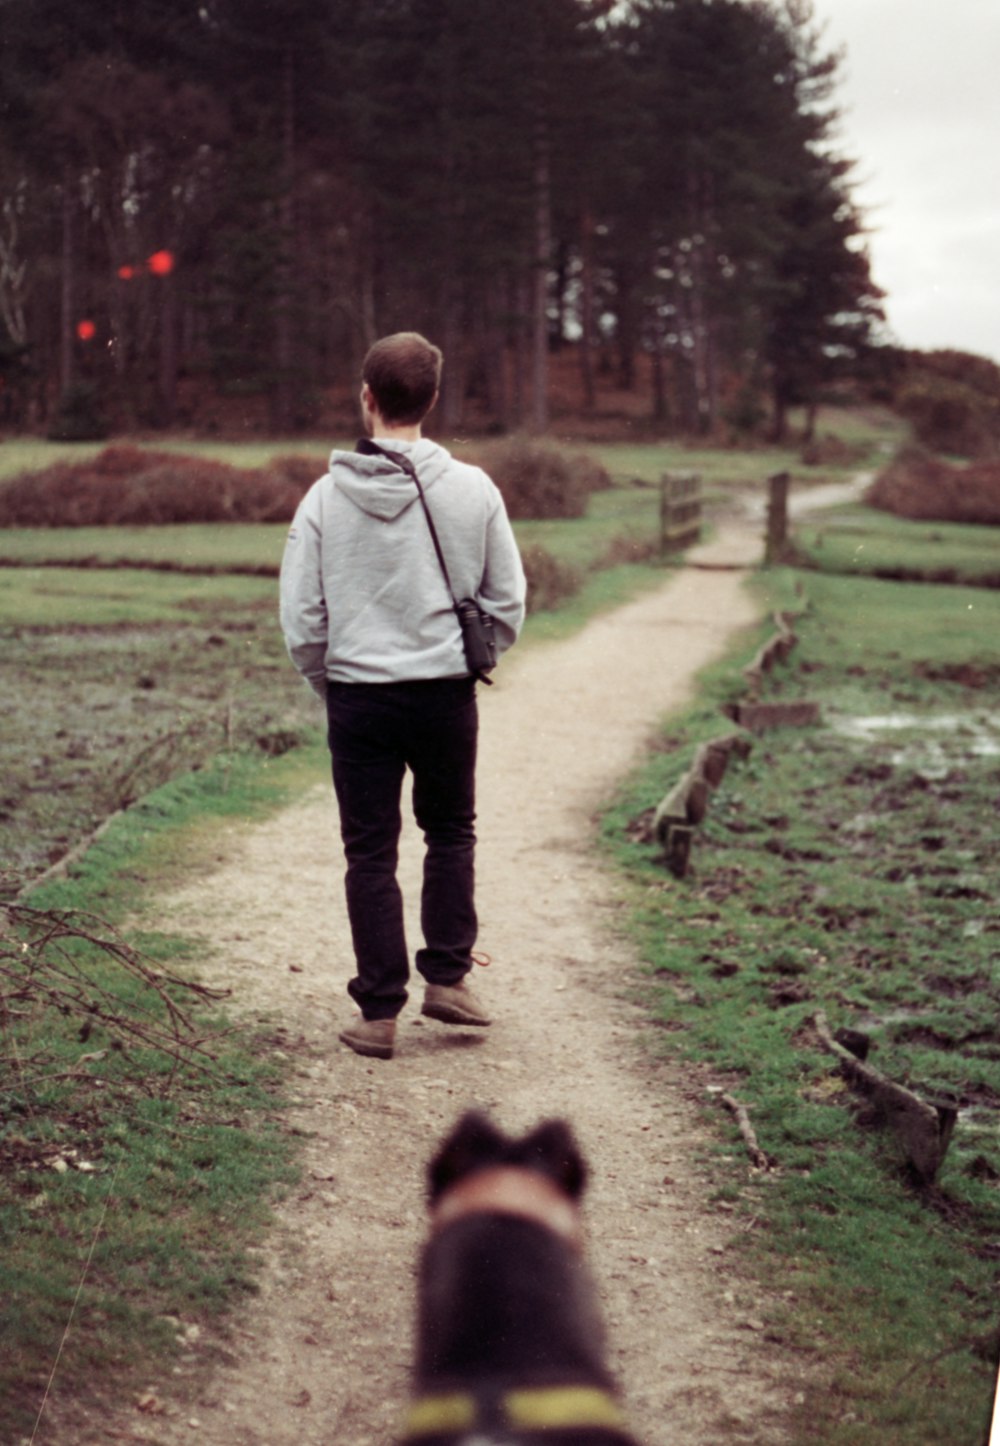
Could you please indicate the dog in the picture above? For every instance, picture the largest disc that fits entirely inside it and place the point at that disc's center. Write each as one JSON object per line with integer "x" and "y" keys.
{"x": 509, "y": 1347}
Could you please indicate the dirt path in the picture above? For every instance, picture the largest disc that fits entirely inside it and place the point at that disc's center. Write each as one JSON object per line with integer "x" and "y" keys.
{"x": 322, "y": 1355}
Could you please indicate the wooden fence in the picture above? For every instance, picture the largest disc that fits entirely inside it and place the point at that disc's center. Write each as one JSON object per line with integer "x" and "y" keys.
{"x": 680, "y": 510}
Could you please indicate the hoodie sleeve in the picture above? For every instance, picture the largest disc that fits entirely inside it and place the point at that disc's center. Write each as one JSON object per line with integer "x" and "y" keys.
{"x": 303, "y": 603}
{"x": 502, "y": 591}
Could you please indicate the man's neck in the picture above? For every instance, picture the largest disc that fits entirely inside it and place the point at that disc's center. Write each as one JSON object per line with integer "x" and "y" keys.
{"x": 396, "y": 434}
{"x": 390, "y": 432}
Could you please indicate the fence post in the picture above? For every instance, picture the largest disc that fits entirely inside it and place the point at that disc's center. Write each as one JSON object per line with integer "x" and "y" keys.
{"x": 777, "y": 517}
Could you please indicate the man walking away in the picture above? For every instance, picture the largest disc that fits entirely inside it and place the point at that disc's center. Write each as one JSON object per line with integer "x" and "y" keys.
{"x": 369, "y": 621}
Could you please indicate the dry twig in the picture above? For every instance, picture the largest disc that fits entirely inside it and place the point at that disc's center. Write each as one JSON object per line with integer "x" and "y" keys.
{"x": 746, "y": 1129}
{"x": 72, "y": 965}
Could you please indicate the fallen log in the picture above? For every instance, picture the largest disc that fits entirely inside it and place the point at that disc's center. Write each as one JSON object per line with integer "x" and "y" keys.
{"x": 923, "y": 1129}
{"x": 759, "y": 716}
{"x": 775, "y": 650}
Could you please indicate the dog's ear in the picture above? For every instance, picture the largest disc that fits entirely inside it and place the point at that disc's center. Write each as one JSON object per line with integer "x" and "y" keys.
{"x": 552, "y": 1150}
{"x": 473, "y": 1143}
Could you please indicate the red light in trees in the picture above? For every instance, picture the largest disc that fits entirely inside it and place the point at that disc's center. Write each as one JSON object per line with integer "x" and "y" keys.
{"x": 126, "y": 272}
{"x": 161, "y": 263}
{"x": 86, "y": 330}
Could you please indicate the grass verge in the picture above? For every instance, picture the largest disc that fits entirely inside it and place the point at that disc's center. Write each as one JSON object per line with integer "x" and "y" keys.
{"x": 864, "y": 541}
{"x": 141, "y": 1139}
{"x": 850, "y": 868}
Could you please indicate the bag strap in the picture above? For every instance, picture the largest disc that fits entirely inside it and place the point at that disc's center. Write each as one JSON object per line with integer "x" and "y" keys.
{"x": 371, "y": 449}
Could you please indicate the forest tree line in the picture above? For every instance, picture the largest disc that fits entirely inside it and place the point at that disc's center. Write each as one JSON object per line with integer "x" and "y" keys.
{"x": 242, "y": 194}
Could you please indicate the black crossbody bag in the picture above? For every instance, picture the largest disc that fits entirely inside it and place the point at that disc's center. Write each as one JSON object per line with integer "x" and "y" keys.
{"x": 478, "y": 635}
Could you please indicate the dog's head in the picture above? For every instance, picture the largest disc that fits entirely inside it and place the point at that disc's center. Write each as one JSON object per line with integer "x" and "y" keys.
{"x": 540, "y": 1176}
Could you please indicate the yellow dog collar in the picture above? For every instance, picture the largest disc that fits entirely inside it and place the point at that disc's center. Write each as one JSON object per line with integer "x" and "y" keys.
{"x": 547, "y": 1408}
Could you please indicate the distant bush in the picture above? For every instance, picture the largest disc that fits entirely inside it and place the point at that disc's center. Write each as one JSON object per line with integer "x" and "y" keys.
{"x": 550, "y": 581}
{"x": 831, "y": 451}
{"x": 951, "y": 416}
{"x": 539, "y": 481}
{"x": 131, "y": 486}
{"x": 924, "y": 488}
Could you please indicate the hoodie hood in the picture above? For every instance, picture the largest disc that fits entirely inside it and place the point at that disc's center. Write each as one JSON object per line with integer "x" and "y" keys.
{"x": 377, "y": 486}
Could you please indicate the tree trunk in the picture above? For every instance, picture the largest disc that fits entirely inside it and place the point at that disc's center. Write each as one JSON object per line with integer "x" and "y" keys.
{"x": 67, "y": 373}
{"x": 168, "y": 351}
{"x": 281, "y": 404}
{"x": 627, "y": 327}
{"x": 493, "y": 351}
{"x": 587, "y": 308}
{"x": 660, "y": 410}
{"x": 522, "y": 354}
{"x": 540, "y": 299}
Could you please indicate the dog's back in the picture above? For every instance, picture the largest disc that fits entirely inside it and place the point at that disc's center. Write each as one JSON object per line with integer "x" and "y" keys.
{"x": 509, "y": 1336}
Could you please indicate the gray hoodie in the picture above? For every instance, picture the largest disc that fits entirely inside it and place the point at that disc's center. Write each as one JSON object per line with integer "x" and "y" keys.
{"x": 363, "y": 597}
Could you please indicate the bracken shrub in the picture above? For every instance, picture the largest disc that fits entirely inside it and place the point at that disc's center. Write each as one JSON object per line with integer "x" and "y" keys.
{"x": 949, "y": 416}
{"x": 132, "y": 486}
{"x": 550, "y": 581}
{"x": 919, "y": 486}
{"x": 539, "y": 481}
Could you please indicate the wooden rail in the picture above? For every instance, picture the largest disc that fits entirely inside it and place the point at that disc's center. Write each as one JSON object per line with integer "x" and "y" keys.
{"x": 680, "y": 510}
{"x": 673, "y": 821}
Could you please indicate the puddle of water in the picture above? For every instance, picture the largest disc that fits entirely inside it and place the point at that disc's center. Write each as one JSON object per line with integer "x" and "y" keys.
{"x": 943, "y": 737}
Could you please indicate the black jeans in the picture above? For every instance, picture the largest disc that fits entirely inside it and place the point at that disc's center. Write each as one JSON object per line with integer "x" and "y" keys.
{"x": 377, "y": 731}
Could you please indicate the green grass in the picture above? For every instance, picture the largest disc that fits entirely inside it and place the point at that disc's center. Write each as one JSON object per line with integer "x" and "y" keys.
{"x": 864, "y": 540}
{"x": 623, "y": 514}
{"x": 872, "y": 436}
{"x": 184, "y": 545}
{"x": 170, "y": 1180}
{"x": 850, "y": 867}
{"x": 631, "y": 513}
{"x": 36, "y": 597}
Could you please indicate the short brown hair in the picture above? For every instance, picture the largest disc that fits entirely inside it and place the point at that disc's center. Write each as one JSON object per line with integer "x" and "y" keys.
{"x": 404, "y": 373}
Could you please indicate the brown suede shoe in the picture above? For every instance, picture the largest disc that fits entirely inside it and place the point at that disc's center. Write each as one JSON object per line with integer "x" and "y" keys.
{"x": 375, "y": 1037}
{"x": 453, "y": 1004}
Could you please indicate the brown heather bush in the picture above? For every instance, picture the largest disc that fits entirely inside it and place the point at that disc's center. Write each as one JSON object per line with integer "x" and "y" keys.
{"x": 131, "y": 486}
{"x": 949, "y": 416}
{"x": 922, "y": 487}
{"x": 126, "y": 485}
{"x": 550, "y": 581}
{"x": 539, "y": 481}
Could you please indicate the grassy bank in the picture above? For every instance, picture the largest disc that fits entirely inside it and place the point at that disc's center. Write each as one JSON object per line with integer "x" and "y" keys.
{"x": 870, "y": 543}
{"x": 142, "y": 1139}
{"x": 850, "y": 868}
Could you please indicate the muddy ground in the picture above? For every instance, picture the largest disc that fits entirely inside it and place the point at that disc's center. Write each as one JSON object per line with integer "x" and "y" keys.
{"x": 93, "y": 718}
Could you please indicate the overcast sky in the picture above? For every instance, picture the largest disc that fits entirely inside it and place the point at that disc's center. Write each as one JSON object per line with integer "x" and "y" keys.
{"x": 920, "y": 95}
